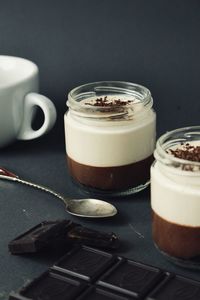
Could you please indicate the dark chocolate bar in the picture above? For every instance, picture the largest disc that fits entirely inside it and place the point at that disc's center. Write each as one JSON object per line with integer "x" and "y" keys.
{"x": 85, "y": 273}
{"x": 60, "y": 233}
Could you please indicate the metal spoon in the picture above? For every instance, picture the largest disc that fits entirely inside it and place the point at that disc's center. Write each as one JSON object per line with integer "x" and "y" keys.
{"x": 91, "y": 208}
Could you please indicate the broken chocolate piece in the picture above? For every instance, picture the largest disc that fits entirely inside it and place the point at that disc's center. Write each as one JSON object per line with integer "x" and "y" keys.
{"x": 94, "y": 238}
{"x": 42, "y": 236}
{"x": 60, "y": 233}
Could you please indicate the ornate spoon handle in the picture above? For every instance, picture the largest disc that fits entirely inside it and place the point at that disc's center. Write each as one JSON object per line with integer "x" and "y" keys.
{"x": 5, "y": 174}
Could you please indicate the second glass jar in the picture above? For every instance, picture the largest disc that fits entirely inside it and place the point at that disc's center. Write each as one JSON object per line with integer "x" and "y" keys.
{"x": 175, "y": 195}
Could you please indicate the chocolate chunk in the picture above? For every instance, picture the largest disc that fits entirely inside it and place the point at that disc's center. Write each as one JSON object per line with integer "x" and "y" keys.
{"x": 50, "y": 286}
{"x": 85, "y": 263}
{"x": 60, "y": 233}
{"x": 176, "y": 288}
{"x": 131, "y": 278}
{"x": 44, "y": 235}
{"x": 93, "y": 238}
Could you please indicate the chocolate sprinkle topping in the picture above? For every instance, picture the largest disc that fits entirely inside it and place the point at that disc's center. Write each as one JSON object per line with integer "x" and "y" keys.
{"x": 104, "y": 102}
{"x": 187, "y": 152}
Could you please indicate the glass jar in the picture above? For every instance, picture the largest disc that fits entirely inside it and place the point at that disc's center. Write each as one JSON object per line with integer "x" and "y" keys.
{"x": 175, "y": 194}
{"x": 110, "y": 137}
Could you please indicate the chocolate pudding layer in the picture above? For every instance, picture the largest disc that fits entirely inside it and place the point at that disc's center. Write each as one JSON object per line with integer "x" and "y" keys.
{"x": 176, "y": 240}
{"x": 111, "y": 178}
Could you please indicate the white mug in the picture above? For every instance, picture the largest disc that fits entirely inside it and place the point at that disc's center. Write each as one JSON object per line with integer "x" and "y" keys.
{"x": 19, "y": 84}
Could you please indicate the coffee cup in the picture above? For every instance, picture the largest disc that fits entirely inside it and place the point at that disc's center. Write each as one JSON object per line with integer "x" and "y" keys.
{"x": 19, "y": 98}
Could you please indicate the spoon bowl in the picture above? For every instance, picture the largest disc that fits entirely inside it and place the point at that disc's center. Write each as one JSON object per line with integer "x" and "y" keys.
{"x": 90, "y": 208}
{"x": 87, "y": 208}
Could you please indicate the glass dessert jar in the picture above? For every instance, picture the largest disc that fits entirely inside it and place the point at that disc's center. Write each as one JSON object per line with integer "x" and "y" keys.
{"x": 110, "y": 136}
{"x": 175, "y": 194}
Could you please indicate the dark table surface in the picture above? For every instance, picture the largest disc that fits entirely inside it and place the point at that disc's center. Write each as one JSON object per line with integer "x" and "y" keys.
{"x": 23, "y": 207}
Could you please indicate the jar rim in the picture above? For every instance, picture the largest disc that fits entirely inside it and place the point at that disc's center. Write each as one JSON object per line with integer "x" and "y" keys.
{"x": 181, "y": 135}
{"x": 104, "y": 88}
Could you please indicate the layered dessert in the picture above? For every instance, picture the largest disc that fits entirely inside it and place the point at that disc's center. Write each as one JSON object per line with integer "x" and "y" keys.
{"x": 110, "y": 141}
{"x": 175, "y": 200}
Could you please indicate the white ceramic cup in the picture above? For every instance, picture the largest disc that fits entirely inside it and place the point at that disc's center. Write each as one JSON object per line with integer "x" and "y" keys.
{"x": 19, "y": 84}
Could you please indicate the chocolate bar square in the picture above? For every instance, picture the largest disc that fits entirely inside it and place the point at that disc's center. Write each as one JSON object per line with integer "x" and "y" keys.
{"x": 45, "y": 234}
{"x": 96, "y": 293}
{"x": 50, "y": 286}
{"x": 85, "y": 263}
{"x": 176, "y": 288}
{"x": 131, "y": 278}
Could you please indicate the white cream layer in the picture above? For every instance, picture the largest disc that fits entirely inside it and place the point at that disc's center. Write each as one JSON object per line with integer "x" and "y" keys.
{"x": 109, "y": 143}
{"x": 175, "y": 194}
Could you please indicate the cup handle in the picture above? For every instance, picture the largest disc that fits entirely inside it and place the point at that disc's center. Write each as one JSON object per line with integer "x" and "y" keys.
{"x": 31, "y": 101}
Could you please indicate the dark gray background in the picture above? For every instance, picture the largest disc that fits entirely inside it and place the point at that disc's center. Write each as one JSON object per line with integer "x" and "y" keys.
{"x": 154, "y": 43}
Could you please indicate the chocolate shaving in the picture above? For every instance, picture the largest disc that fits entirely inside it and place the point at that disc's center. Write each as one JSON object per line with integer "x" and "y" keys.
{"x": 103, "y": 102}
{"x": 187, "y": 152}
